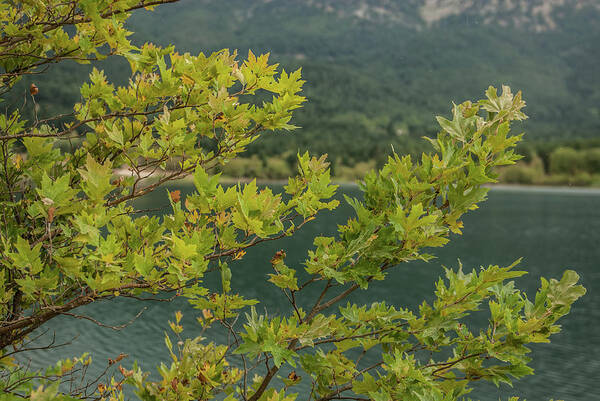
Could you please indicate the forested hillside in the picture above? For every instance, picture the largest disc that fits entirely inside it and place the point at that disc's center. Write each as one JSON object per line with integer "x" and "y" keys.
{"x": 378, "y": 70}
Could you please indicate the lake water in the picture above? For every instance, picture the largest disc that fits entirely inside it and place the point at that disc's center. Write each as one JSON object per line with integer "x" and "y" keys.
{"x": 552, "y": 229}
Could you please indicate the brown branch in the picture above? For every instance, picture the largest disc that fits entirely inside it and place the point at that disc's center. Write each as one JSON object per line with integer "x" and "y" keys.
{"x": 308, "y": 282}
{"x": 96, "y": 119}
{"x": 336, "y": 394}
{"x": 352, "y": 337}
{"x": 178, "y": 174}
{"x": 271, "y": 372}
{"x": 10, "y": 41}
{"x": 50, "y": 345}
{"x": 448, "y": 365}
{"x": 97, "y": 322}
{"x": 19, "y": 328}
{"x": 263, "y": 386}
{"x": 347, "y": 292}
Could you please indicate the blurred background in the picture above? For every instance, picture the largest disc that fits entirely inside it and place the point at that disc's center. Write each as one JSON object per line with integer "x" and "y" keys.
{"x": 378, "y": 71}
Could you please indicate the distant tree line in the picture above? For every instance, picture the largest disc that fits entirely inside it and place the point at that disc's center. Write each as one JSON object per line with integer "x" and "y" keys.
{"x": 575, "y": 162}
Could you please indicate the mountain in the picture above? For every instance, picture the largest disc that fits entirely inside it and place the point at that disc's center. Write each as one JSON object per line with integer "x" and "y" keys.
{"x": 536, "y": 15}
{"x": 378, "y": 71}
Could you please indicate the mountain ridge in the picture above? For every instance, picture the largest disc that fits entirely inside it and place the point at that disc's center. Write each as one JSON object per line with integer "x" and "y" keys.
{"x": 535, "y": 15}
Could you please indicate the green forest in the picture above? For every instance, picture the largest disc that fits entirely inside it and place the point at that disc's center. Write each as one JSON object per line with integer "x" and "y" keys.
{"x": 373, "y": 85}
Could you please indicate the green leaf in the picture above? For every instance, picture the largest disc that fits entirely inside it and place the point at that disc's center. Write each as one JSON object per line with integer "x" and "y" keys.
{"x": 225, "y": 277}
{"x": 27, "y": 257}
{"x": 96, "y": 179}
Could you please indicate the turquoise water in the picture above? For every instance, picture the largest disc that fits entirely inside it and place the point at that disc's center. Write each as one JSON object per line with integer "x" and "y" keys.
{"x": 552, "y": 229}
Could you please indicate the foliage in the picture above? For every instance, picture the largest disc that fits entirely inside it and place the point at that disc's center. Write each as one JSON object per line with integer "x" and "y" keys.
{"x": 565, "y": 160}
{"x": 244, "y": 167}
{"x": 519, "y": 174}
{"x": 355, "y": 172}
{"x": 575, "y": 164}
{"x": 71, "y": 236}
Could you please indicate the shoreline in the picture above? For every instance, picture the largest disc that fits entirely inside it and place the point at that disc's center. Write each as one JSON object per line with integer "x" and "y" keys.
{"x": 544, "y": 188}
{"x": 266, "y": 181}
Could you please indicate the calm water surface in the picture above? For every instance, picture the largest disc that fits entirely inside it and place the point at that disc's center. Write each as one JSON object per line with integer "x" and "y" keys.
{"x": 551, "y": 229}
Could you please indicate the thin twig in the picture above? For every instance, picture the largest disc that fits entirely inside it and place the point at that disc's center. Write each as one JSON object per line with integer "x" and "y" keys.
{"x": 116, "y": 328}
